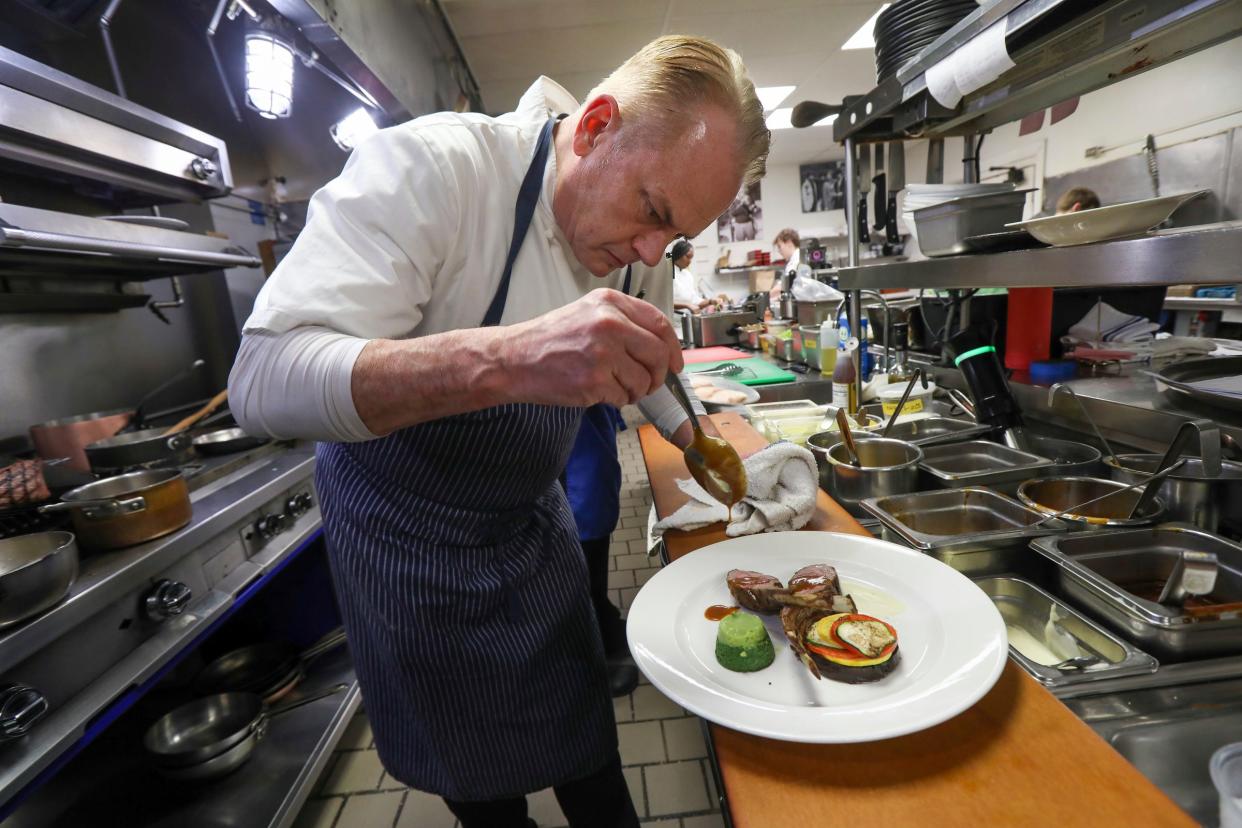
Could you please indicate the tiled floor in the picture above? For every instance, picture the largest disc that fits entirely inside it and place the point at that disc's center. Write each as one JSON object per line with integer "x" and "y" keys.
{"x": 662, "y": 747}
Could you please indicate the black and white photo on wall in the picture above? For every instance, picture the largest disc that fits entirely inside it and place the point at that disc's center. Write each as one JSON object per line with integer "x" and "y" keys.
{"x": 823, "y": 186}
{"x": 743, "y": 221}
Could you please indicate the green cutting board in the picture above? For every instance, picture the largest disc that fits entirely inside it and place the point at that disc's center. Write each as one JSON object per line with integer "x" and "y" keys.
{"x": 758, "y": 372}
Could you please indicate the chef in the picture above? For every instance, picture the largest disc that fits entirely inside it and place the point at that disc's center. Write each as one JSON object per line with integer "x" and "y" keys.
{"x": 688, "y": 292}
{"x": 439, "y": 326}
{"x": 788, "y": 247}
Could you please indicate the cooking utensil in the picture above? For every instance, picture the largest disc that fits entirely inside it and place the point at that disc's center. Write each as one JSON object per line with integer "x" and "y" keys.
{"x": 263, "y": 668}
{"x": 226, "y": 441}
{"x": 140, "y": 409}
{"x": 212, "y": 404}
{"x": 127, "y": 509}
{"x": 1046, "y": 495}
{"x": 36, "y": 572}
{"x": 864, "y": 184}
{"x": 901, "y": 404}
{"x": 1209, "y": 450}
{"x": 1194, "y": 573}
{"x": 1062, "y": 387}
{"x": 961, "y": 401}
{"x": 138, "y": 448}
{"x": 712, "y": 462}
{"x": 724, "y": 369}
{"x": 879, "y": 180}
{"x": 888, "y": 467}
{"x": 943, "y": 228}
{"x": 1190, "y": 494}
{"x": 809, "y": 113}
{"x": 211, "y": 736}
{"x": 896, "y": 183}
{"x": 1076, "y": 663}
{"x": 847, "y": 436}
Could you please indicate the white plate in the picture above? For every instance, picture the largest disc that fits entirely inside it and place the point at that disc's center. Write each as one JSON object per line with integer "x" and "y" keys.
{"x": 951, "y": 637}
{"x": 1115, "y": 221}
{"x": 752, "y": 396}
{"x": 162, "y": 222}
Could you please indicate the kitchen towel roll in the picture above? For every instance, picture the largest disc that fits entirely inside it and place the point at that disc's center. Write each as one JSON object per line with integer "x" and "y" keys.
{"x": 782, "y": 482}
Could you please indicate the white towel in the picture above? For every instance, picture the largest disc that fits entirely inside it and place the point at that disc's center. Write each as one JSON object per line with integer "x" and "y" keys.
{"x": 781, "y": 484}
{"x": 1104, "y": 323}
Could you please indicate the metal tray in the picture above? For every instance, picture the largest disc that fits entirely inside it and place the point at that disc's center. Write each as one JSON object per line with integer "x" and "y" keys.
{"x": 943, "y": 228}
{"x": 1069, "y": 458}
{"x": 1177, "y": 379}
{"x": 1027, "y": 607}
{"x": 1089, "y": 566}
{"x": 974, "y": 530}
{"x": 981, "y": 463}
{"x": 931, "y": 431}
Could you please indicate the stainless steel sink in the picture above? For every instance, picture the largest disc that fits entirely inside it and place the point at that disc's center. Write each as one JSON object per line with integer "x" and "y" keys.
{"x": 1169, "y": 734}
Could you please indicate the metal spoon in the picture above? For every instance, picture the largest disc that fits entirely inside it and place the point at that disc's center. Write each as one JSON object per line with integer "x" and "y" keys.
{"x": 1078, "y": 663}
{"x": 712, "y": 462}
{"x": 1074, "y": 509}
{"x": 918, "y": 375}
{"x": 847, "y": 436}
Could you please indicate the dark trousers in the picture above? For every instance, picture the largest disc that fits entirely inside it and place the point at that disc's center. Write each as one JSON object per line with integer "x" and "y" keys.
{"x": 611, "y": 625}
{"x": 601, "y": 800}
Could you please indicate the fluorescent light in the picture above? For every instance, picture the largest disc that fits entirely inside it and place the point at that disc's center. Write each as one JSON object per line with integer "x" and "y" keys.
{"x": 770, "y": 96}
{"x": 779, "y": 119}
{"x": 351, "y": 129}
{"x": 864, "y": 38}
{"x": 269, "y": 75}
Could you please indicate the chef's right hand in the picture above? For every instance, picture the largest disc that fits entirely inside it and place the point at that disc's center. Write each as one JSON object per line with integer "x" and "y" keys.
{"x": 605, "y": 347}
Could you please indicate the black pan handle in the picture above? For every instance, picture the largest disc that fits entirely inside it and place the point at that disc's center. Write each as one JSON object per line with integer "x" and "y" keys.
{"x": 891, "y": 219}
{"x": 864, "y": 234}
{"x": 881, "y": 201}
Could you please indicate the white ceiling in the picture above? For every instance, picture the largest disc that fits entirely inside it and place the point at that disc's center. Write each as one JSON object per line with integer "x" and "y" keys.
{"x": 577, "y": 42}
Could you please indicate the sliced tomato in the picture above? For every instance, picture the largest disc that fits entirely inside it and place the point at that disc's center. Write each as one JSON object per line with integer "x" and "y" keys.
{"x": 851, "y": 658}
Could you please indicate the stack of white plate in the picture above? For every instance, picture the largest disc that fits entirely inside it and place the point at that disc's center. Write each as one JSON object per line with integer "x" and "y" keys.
{"x": 918, "y": 196}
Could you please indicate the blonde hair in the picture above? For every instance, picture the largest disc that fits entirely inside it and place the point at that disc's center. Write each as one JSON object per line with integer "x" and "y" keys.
{"x": 672, "y": 71}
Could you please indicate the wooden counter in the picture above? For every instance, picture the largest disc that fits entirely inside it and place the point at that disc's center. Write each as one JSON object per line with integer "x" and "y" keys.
{"x": 1018, "y": 757}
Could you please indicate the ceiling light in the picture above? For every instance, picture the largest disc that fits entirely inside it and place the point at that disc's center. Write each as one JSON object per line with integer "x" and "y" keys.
{"x": 864, "y": 38}
{"x": 269, "y": 75}
{"x": 350, "y": 130}
{"x": 780, "y": 119}
{"x": 770, "y": 96}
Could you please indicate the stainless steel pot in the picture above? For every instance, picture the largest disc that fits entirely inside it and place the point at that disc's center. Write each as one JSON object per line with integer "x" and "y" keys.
{"x": 127, "y": 509}
{"x": 889, "y": 467}
{"x": 36, "y": 572}
{"x": 1051, "y": 495}
{"x": 137, "y": 448}
{"x": 1190, "y": 495}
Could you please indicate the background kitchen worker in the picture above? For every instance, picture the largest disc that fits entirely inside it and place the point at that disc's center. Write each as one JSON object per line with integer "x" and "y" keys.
{"x": 788, "y": 245}
{"x": 442, "y": 345}
{"x": 688, "y": 293}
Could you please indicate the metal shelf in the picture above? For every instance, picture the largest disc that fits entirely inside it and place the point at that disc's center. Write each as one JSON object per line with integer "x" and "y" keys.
{"x": 1062, "y": 48}
{"x": 1208, "y": 254}
{"x": 1200, "y": 303}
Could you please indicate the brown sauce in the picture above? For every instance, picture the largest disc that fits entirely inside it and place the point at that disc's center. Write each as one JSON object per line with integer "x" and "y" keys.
{"x": 726, "y": 475}
{"x": 718, "y": 611}
{"x": 1150, "y": 591}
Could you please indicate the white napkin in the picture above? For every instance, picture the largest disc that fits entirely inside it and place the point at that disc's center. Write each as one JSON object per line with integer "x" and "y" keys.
{"x": 780, "y": 496}
{"x": 1104, "y": 323}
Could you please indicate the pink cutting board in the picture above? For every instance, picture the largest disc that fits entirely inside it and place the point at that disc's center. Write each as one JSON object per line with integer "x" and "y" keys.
{"x": 717, "y": 353}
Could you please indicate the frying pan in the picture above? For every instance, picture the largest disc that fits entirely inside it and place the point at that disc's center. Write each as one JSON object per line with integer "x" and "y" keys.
{"x": 270, "y": 669}
{"x": 226, "y": 441}
{"x": 212, "y": 736}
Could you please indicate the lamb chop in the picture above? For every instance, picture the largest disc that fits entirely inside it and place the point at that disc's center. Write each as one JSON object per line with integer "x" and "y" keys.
{"x": 817, "y": 587}
{"x": 797, "y": 622}
{"x": 756, "y": 591}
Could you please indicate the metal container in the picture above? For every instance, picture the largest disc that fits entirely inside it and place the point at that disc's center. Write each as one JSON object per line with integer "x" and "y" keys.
{"x": 69, "y": 436}
{"x": 784, "y": 349}
{"x": 1051, "y": 495}
{"x": 127, "y": 509}
{"x": 1026, "y": 609}
{"x": 36, "y": 572}
{"x": 809, "y": 337}
{"x": 981, "y": 463}
{"x": 1112, "y": 574}
{"x": 974, "y": 530}
{"x": 720, "y": 328}
{"x": 1189, "y": 494}
{"x": 815, "y": 313}
{"x": 943, "y": 228}
{"x": 796, "y": 345}
{"x": 931, "y": 431}
{"x": 889, "y": 467}
{"x": 1069, "y": 458}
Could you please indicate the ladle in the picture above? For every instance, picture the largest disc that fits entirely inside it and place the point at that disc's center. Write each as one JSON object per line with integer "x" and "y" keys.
{"x": 847, "y": 436}
{"x": 918, "y": 375}
{"x": 712, "y": 462}
{"x": 1073, "y": 510}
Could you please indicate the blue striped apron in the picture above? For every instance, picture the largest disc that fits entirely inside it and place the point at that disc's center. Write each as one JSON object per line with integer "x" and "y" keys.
{"x": 464, "y": 591}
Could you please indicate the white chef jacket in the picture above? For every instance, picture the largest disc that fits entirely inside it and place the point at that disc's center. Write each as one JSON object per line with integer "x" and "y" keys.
{"x": 686, "y": 287}
{"x": 795, "y": 259}
{"x": 411, "y": 240}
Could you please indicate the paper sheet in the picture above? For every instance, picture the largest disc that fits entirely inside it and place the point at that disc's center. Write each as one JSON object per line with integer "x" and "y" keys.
{"x": 942, "y": 85}
{"x": 983, "y": 59}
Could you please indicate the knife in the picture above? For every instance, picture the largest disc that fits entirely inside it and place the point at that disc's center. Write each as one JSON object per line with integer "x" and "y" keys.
{"x": 896, "y": 181}
{"x": 864, "y": 184}
{"x": 878, "y": 181}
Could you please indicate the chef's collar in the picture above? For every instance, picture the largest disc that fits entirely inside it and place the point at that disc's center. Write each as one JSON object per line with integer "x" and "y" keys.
{"x": 544, "y": 98}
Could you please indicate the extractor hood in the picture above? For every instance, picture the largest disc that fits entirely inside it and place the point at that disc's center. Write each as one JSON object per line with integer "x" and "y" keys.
{"x": 56, "y": 123}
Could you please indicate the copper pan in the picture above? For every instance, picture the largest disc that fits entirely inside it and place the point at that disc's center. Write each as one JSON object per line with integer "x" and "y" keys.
{"x": 69, "y": 436}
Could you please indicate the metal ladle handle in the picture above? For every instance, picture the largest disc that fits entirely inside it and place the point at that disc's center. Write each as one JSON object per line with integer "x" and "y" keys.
{"x": 918, "y": 375}
{"x": 1074, "y": 509}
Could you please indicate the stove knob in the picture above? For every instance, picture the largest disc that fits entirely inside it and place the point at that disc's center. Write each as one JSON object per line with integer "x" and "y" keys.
{"x": 269, "y": 526}
{"x": 20, "y": 707}
{"x": 202, "y": 168}
{"x": 169, "y": 598}
{"x": 299, "y": 505}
